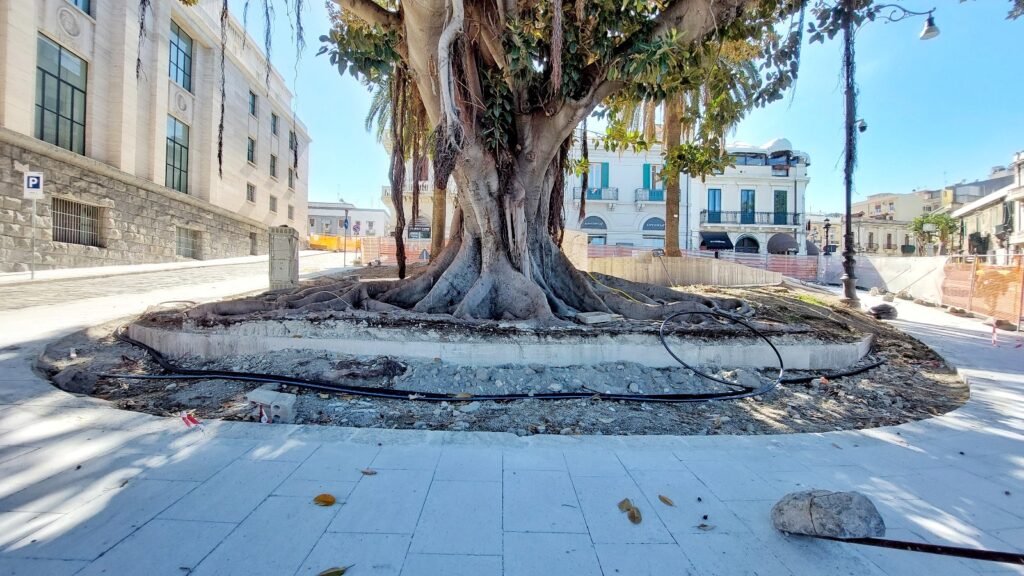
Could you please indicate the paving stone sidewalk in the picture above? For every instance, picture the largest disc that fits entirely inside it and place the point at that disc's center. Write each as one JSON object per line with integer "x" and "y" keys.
{"x": 86, "y": 489}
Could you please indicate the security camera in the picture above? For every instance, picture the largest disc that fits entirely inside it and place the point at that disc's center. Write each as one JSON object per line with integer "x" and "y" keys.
{"x": 862, "y": 126}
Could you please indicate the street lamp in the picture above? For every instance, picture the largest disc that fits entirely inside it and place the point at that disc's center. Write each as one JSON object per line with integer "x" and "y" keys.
{"x": 828, "y": 224}
{"x": 888, "y": 13}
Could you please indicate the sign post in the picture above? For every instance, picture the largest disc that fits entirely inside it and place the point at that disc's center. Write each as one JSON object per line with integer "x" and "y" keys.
{"x": 344, "y": 250}
{"x": 33, "y": 190}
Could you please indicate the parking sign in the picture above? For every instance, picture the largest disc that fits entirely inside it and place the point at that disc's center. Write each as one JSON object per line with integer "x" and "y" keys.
{"x": 33, "y": 186}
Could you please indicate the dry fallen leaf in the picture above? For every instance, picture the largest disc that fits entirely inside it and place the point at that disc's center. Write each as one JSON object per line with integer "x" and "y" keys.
{"x": 634, "y": 515}
{"x": 368, "y": 471}
{"x": 335, "y": 571}
{"x": 705, "y": 527}
{"x": 324, "y": 396}
{"x": 668, "y": 501}
{"x": 324, "y": 500}
{"x": 625, "y": 505}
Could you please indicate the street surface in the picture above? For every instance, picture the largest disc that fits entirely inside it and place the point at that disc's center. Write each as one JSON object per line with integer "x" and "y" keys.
{"x": 87, "y": 489}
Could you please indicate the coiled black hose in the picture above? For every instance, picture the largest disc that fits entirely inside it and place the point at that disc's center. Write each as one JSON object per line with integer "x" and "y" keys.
{"x": 175, "y": 372}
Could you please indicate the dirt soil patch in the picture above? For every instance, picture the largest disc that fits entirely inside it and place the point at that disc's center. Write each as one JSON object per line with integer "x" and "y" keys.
{"x": 913, "y": 384}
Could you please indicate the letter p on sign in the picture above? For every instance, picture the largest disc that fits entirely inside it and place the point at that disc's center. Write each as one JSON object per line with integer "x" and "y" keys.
{"x": 33, "y": 186}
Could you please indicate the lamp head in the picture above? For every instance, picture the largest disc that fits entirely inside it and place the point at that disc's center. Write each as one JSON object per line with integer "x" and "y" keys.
{"x": 930, "y": 30}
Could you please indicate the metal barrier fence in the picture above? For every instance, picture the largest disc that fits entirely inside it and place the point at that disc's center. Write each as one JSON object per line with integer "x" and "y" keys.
{"x": 989, "y": 285}
{"x": 383, "y": 248}
{"x": 801, "y": 267}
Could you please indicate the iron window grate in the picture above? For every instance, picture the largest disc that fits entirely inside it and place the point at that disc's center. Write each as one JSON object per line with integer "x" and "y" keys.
{"x": 75, "y": 223}
{"x": 188, "y": 243}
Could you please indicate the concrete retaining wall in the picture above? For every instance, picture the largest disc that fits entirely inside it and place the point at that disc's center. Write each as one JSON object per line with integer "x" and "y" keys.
{"x": 798, "y": 351}
{"x": 921, "y": 275}
{"x": 138, "y": 219}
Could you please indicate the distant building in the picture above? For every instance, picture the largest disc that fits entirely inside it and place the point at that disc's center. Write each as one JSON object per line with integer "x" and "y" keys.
{"x": 754, "y": 206}
{"x": 328, "y": 219}
{"x": 991, "y": 224}
{"x": 131, "y": 160}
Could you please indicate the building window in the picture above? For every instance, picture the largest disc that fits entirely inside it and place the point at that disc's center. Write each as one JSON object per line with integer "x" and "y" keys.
{"x": 60, "y": 96}
{"x": 293, "y": 141}
{"x": 250, "y": 192}
{"x": 747, "y": 207}
{"x": 892, "y": 206}
{"x": 312, "y": 224}
{"x": 714, "y": 205}
{"x": 291, "y": 179}
{"x": 250, "y": 151}
{"x": 888, "y": 242}
{"x": 181, "y": 57}
{"x": 273, "y": 123}
{"x": 75, "y": 223}
{"x": 176, "y": 175}
{"x": 273, "y": 166}
{"x": 83, "y": 5}
{"x": 253, "y": 103}
{"x": 273, "y": 204}
{"x": 291, "y": 212}
{"x": 188, "y": 243}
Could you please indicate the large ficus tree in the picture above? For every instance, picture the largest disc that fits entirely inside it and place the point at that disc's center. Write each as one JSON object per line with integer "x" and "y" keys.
{"x": 503, "y": 85}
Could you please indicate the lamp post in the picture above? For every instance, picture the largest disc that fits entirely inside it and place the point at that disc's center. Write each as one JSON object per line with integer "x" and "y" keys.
{"x": 888, "y": 13}
{"x": 828, "y": 224}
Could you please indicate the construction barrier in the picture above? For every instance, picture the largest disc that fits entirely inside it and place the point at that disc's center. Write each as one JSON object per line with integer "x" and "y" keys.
{"x": 335, "y": 243}
{"x": 800, "y": 267}
{"x": 987, "y": 285}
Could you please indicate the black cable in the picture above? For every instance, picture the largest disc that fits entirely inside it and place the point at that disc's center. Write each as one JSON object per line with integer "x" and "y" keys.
{"x": 180, "y": 373}
{"x": 989, "y": 555}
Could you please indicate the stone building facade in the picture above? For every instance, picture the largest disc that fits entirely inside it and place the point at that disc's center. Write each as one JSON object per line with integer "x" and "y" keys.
{"x": 126, "y": 219}
{"x": 68, "y": 79}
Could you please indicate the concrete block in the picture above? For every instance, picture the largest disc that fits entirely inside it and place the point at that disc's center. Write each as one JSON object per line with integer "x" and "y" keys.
{"x": 279, "y": 407}
{"x": 597, "y": 317}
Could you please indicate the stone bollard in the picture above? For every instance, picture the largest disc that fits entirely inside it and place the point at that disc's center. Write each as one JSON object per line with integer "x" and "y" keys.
{"x": 284, "y": 258}
{"x": 830, "y": 514}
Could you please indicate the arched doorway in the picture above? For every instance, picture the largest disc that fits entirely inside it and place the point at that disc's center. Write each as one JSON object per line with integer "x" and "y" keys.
{"x": 419, "y": 229}
{"x": 748, "y": 244}
{"x": 782, "y": 243}
{"x": 654, "y": 232}
{"x": 595, "y": 228}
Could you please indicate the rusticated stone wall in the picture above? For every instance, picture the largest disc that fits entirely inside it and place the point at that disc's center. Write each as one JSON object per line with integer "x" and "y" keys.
{"x": 138, "y": 219}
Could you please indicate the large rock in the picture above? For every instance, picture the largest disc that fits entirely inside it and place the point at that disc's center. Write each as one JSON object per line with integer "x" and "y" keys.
{"x": 825, "y": 513}
{"x": 76, "y": 379}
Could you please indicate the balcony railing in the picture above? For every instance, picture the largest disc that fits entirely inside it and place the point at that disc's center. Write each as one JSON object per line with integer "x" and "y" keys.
{"x": 650, "y": 195}
{"x": 605, "y": 194}
{"x": 780, "y": 170}
{"x": 758, "y": 218}
{"x": 871, "y": 247}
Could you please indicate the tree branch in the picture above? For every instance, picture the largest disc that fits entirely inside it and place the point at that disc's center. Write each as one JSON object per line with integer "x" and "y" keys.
{"x": 370, "y": 12}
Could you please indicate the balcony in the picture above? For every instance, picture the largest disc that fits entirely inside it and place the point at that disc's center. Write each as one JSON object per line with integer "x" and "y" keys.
{"x": 753, "y": 218}
{"x": 871, "y": 247}
{"x": 650, "y": 195}
{"x": 782, "y": 171}
{"x": 599, "y": 194}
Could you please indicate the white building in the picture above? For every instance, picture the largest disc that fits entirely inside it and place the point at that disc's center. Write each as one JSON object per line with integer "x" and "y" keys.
{"x": 327, "y": 218}
{"x": 68, "y": 77}
{"x": 754, "y": 206}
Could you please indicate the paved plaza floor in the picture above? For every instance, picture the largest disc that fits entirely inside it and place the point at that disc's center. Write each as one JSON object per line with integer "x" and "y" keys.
{"x": 87, "y": 489}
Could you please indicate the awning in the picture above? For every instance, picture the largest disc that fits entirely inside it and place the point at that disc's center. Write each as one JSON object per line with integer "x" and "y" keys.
{"x": 715, "y": 241}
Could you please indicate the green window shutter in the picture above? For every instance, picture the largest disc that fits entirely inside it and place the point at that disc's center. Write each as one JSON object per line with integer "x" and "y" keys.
{"x": 604, "y": 174}
{"x": 647, "y": 175}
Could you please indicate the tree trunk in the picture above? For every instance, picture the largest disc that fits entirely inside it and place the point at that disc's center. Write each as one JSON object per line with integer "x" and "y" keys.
{"x": 437, "y": 224}
{"x": 672, "y": 130}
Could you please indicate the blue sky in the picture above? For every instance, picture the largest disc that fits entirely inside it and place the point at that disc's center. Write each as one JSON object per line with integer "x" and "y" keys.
{"x": 938, "y": 111}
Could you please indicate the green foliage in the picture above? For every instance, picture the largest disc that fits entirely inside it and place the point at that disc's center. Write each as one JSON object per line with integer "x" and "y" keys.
{"x": 496, "y": 123}
{"x": 946, "y": 226}
{"x": 368, "y": 53}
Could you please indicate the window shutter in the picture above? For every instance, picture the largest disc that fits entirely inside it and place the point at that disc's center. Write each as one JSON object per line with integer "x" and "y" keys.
{"x": 604, "y": 174}
{"x": 647, "y": 175}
